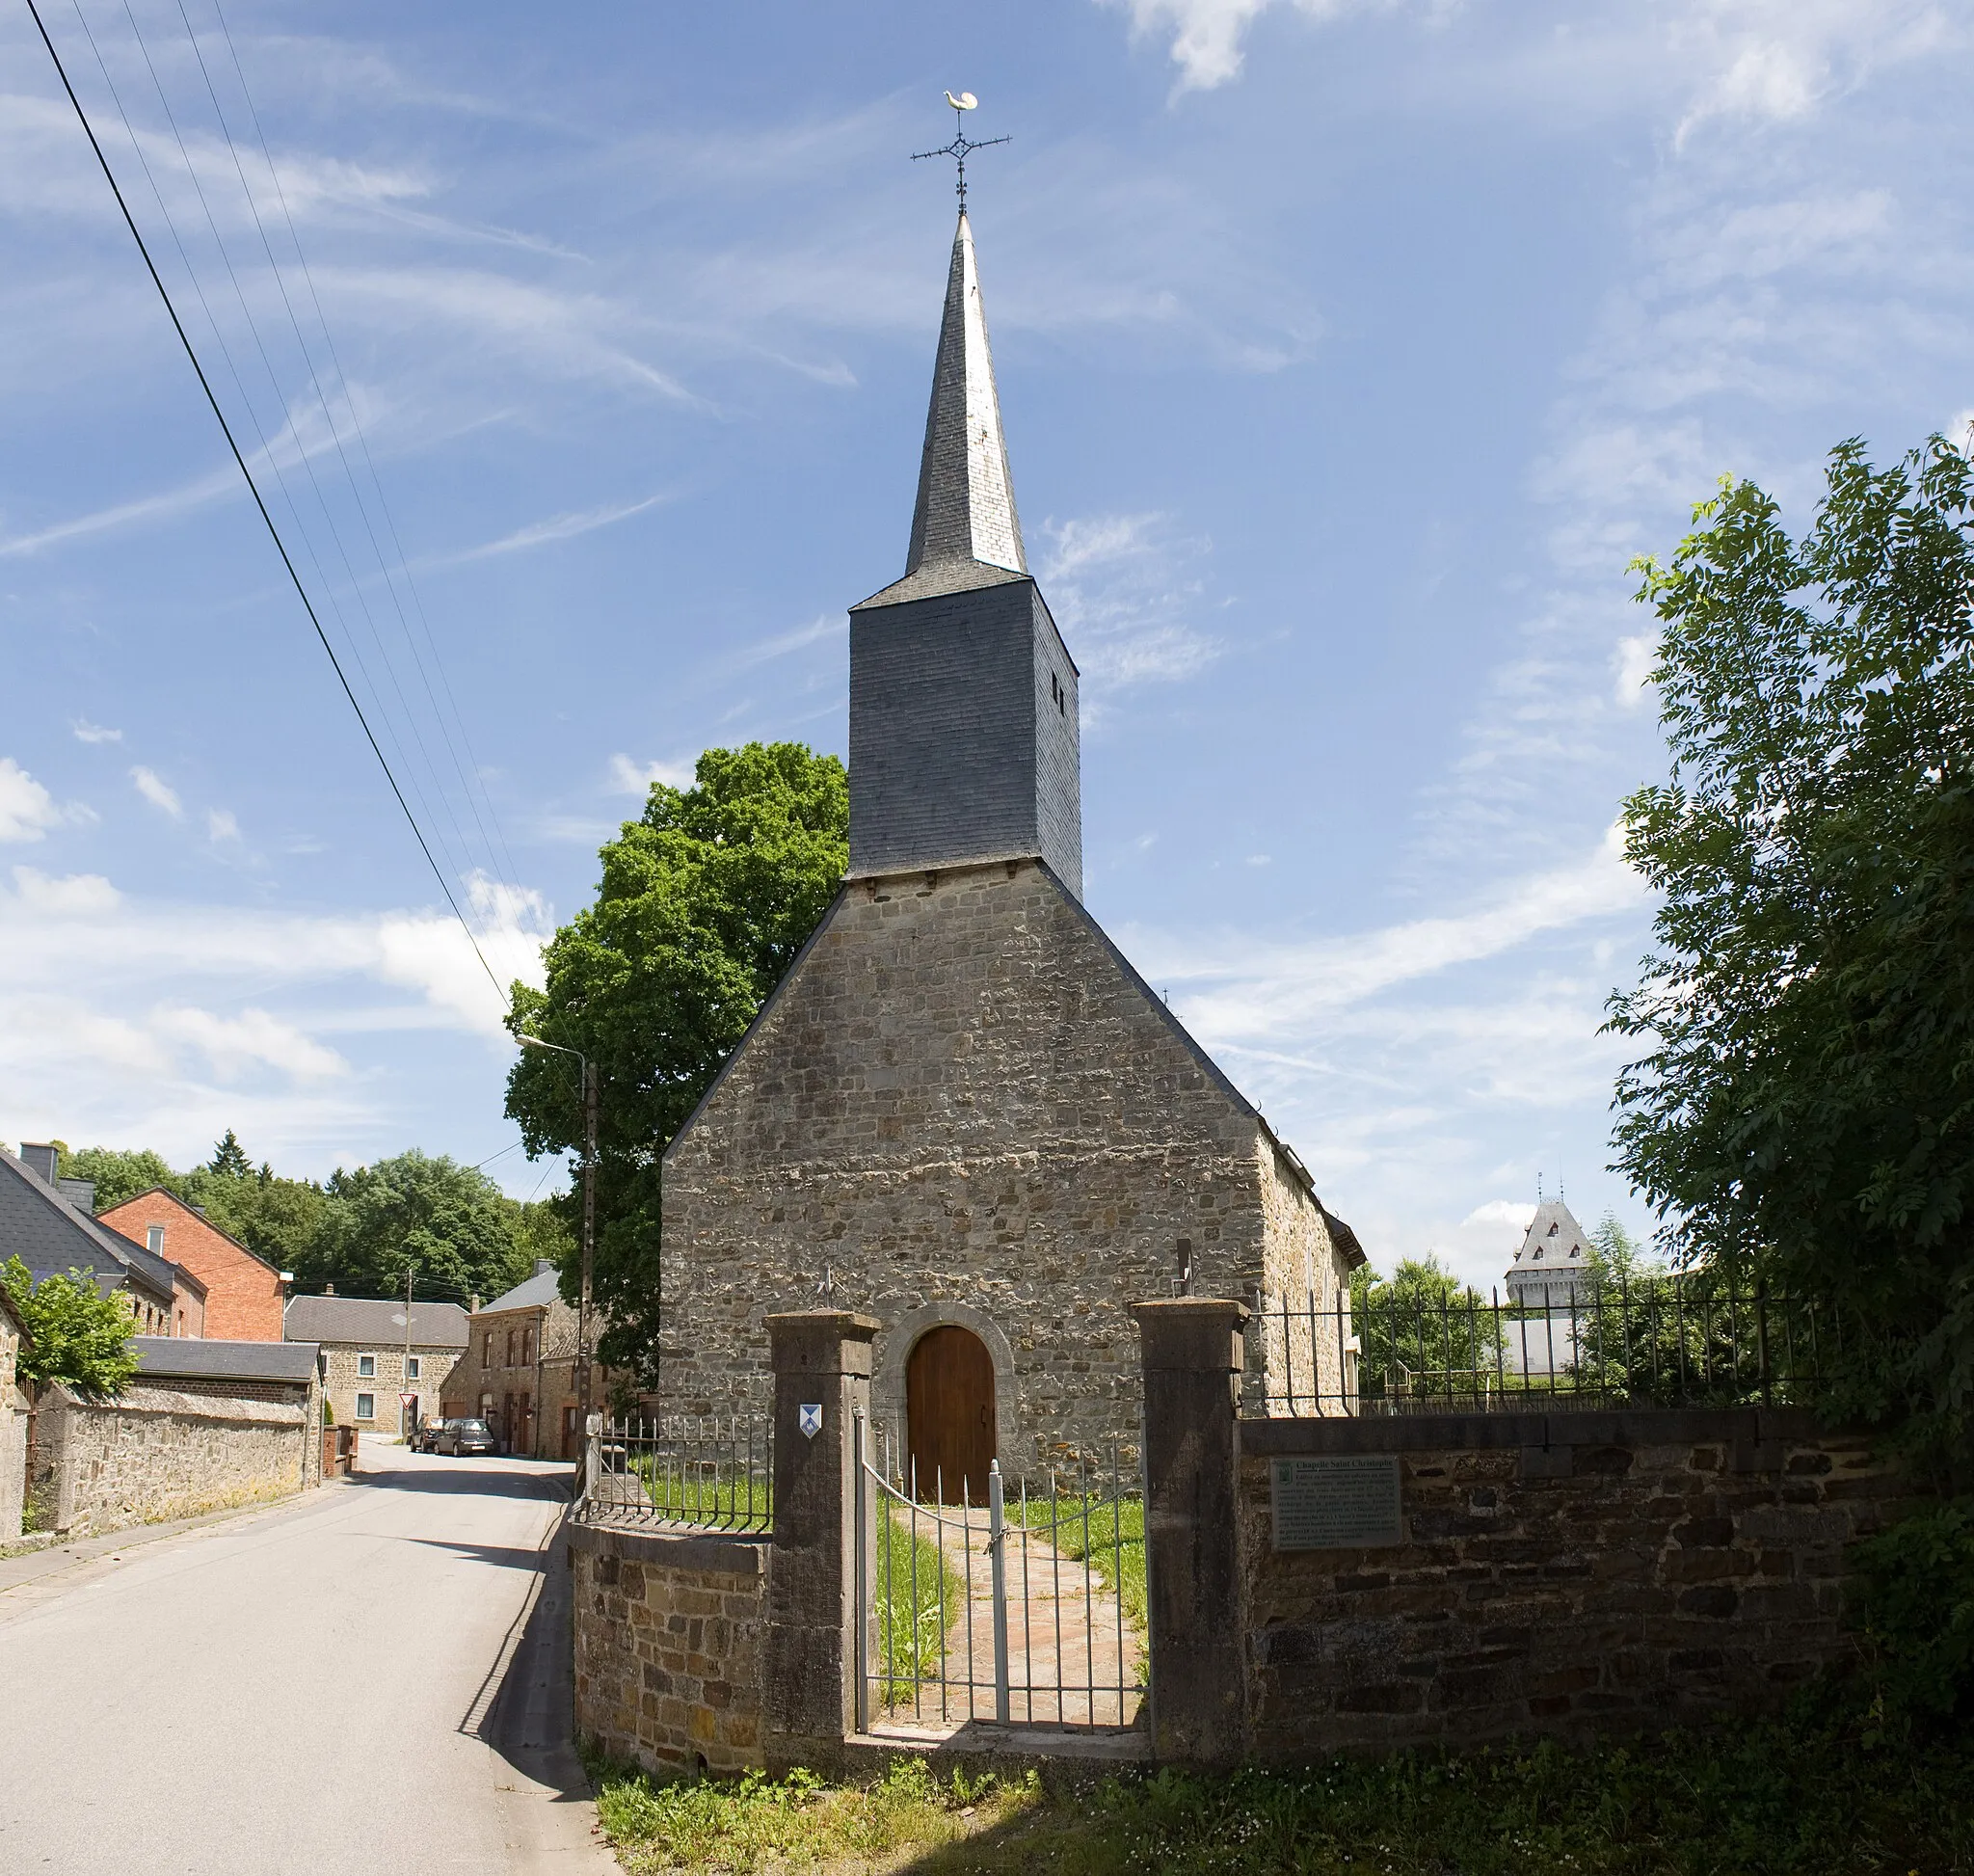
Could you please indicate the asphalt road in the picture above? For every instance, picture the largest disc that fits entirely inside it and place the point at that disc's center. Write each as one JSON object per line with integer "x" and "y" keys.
{"x": 373, "y": 1678}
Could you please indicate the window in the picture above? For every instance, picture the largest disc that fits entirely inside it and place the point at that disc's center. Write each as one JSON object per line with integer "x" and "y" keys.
{"x": 527, "y": 1346}
{"x": 366, "y": 1407}
{"x": 366, "y": 1367}
{"x": 510, "y": 1348}
{"x": 154, "y": 1239}
{"x": 411, "y": 1362}
{"x": 487, "y": 1349}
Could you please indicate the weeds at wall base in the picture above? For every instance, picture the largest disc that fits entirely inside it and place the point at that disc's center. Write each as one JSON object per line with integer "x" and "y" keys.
{"x": 1805, "y": 1796}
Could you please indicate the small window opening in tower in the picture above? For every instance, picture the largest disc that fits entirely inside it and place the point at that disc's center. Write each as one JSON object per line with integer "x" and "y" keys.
{"x": 1538, "y": 1253}
{"x": 1185, "y": 1248}
{"x": 1553, "y": 1229}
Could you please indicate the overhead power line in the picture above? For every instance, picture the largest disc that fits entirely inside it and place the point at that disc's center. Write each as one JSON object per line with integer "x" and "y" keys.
{"x": 254, "y": 489}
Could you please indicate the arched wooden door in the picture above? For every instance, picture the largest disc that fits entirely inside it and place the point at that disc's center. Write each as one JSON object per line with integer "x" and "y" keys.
{"x": 949, "y": 1413}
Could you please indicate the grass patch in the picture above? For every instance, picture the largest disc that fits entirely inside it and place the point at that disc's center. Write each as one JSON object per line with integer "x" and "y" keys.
{"x": 919, "y": 1596}
{"x": 1797, "y": 1798}
{"x": 693, "y": 1497}
{"x": 1114, "y": 1539}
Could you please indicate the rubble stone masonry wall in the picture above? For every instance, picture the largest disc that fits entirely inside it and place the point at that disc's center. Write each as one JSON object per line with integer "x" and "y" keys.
{"x": 962, "y": 1106}
{"x": 668, "y": 1647}
{"x": 160, "y": 1452}
{"x": 1563, "y": 1573}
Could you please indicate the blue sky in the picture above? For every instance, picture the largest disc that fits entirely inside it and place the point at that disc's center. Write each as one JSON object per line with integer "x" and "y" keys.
{"x": 1347, "y": 353}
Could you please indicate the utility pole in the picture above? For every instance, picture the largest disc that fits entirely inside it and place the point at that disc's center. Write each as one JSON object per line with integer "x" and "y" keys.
{"x": 404, "y": 1373}
{"x": 591, "y": 1099}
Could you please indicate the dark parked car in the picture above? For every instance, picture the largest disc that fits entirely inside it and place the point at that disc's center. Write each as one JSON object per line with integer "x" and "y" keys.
{"x": 428, "y": 1435}
{"x": 467, "y": 1436}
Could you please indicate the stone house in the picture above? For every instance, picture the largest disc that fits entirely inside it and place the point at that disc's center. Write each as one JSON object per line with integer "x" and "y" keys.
{"x": 13, "y": 1412}
{"x": 962, "y": 1110}
{"x": 47, "y": 1223}
{"x": 244, "y": 1292}
{"x": 1549, "y": 1281}
{"x": 519, "y": 1371}
{"x": 367, "y": 1370}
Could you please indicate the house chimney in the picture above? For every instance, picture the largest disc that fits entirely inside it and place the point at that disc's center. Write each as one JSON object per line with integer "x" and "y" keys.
{"x": 329, "y": 1289}
{"x": 543, "y": 1265}
{"x": 41, "y": 1160}
{"x": 79, "y": 1192}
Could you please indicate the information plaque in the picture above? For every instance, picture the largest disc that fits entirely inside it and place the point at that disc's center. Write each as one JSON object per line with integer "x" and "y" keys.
{"x": 1337, "y": 1504}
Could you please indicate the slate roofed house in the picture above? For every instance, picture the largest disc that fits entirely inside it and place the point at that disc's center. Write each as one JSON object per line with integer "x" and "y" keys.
{"x": 244, "y": 1292}
{"x": 46, "y": 1223}
{"x": 367, "y": 1370}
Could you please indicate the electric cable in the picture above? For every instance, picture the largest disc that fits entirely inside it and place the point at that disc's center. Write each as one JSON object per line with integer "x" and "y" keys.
{"x": 254, "y": 489}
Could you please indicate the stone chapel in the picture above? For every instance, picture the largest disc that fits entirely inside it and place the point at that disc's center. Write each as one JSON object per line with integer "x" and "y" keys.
{"x": 962, "y": 1111}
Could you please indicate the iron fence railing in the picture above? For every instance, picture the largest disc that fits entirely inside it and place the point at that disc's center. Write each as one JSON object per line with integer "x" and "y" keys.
{"x": 712, "y": 1474}
{"x": 1659, "y": 1341}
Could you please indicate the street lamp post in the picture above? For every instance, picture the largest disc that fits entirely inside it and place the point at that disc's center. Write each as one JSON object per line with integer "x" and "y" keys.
{"x": 589, "y": 1216}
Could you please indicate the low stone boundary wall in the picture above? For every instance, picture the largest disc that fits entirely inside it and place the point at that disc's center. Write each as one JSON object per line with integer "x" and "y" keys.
{"x": 1555, "y": 1572}
{"x": 669, "y": 1645}
{"x": 161, "y": 1452}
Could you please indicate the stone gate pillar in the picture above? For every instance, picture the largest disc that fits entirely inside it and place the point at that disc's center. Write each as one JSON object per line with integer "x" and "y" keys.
{"x": 1192, "y": 1368}
{"x": 822, "y": 1361}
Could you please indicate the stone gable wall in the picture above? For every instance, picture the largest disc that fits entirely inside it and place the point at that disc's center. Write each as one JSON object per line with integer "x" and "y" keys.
{"x": 962, "y": 1098}
{"x": 1564, "y": 1573}
{"x": 170, "y": 1450}
{"x": 344, "y": 1383}
{"x": 668, "y": 1647}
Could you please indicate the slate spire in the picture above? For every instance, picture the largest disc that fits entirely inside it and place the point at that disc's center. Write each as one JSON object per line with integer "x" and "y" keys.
{"x": 965, "y": 530}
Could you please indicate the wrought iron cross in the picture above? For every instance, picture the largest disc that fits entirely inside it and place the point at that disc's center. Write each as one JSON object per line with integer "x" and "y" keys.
{"x": 962, "y": 146}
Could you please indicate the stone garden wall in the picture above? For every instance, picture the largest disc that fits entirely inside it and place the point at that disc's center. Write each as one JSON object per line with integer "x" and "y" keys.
{"x": 1554, "y": 1573}
{"x": 668, "y": 1647}
{"x": 162, "y": 1452}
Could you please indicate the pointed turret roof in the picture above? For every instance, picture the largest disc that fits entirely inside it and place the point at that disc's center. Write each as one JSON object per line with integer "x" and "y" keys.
{"x": 965, "y": 531}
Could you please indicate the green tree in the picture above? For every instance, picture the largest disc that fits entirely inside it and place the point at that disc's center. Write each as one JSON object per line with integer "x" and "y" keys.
{"x": 451, "y": 1224}
{"x": 81, "y": 1338}
{"x": 229, "y": 1159}
{"x": 121, "y": 1175}
{"x": 1804, "y": 1107}
{"x": 705, "y": 901}
{"x": 1422, "y": 1332}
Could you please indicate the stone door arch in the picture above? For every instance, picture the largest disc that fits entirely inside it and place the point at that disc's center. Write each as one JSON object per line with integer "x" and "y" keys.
{"x": 949, "y": 1415}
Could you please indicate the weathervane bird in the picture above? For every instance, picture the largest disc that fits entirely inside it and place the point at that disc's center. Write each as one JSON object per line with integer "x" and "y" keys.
{"x": 962, "y": 146}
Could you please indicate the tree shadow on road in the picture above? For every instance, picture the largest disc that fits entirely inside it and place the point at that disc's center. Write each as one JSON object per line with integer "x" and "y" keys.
{"x": 469, "y": 1483}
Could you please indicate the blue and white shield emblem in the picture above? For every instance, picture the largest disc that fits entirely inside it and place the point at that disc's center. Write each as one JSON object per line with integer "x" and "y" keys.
{"x": 809, "y": 1417}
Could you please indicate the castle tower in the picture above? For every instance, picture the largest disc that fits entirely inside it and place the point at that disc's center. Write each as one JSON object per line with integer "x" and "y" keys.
{"x": 962, "y": 1111}
{"x": 963, "y": 698}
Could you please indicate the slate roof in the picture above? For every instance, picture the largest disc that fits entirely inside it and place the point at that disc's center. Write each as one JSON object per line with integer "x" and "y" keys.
{"x": 191, "y": 1358}
{"x": 1555, "y": 1251}
{"x": 965, "y": 531}
{"x": 52, "y": 1237}
{"x": 541, "y": 1289}
{"x": 374, "y": 1322}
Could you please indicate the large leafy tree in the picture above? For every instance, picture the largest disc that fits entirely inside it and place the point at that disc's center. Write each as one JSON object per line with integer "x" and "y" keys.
{"x": 451, "y": 1225}
{"x": 1804, "y": 1109}
{"x": 705, "y": 901}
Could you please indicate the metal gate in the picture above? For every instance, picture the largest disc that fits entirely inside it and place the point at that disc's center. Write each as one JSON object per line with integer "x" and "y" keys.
{"x": 1026, "y": 1611}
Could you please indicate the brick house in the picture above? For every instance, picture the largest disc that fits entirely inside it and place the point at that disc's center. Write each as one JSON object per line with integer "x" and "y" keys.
{"x": 518, "y": 1373}
{"x": 46, "y": 1222}
{"x": 13, "y": 1411}
{"x": 367, "y": 1370}
{"x": 244, "y": 1292}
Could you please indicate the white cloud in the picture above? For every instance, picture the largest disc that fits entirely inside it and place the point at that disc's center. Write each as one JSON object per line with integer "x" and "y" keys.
{"x": 157, "y": 792}
{"x": 88, "y": 732}
{"x": 1207, "y": 34}
{"x": 628, "y": 777}
{"x": 78, "y": 895}
{"x": 220, "y": 824}
{"x": 1512, "y": 1214}
{"x": 27, "y": 810}
{"x": 233, "y": 1044}
{"x": 1123, "y": 589}
{"x": 1635, "y": 658}
{"x": 558, "y": 528}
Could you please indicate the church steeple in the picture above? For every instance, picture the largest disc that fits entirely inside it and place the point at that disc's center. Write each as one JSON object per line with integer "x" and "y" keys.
{"x": 964, "y": 743}
{"x": 965, "y": 530}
